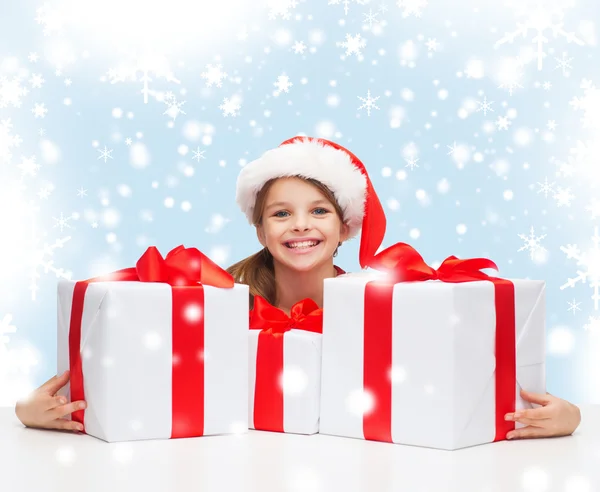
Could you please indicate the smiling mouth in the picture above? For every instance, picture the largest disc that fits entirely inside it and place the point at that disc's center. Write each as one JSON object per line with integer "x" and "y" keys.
{"x": 302, "y": 245}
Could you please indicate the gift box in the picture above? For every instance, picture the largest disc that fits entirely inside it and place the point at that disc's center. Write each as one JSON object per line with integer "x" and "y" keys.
{"x": 284, "y": 367}
{"x": 427, "y": 357}
{"x": 157, "y": 351}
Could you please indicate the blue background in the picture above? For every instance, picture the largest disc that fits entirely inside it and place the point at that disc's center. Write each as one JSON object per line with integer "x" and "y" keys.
{"x": 464, "y": 30}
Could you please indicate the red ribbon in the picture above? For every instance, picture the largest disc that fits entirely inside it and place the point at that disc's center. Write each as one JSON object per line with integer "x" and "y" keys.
{"x": 274, "y": 323}
{"x": 186, "y": 270}
{"x": 403, "y": 263}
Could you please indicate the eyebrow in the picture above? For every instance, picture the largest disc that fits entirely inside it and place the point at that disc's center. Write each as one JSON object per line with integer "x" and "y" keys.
{"x": 284, "y": 204}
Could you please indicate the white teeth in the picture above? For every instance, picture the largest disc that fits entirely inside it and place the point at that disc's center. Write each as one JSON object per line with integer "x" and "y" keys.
{"x": 303, "y": 244}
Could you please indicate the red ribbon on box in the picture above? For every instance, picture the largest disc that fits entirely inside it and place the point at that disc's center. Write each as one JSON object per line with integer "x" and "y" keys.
{"x": 404, "y": 264}
{"x": 186, "y": 270}
{"x": 273, "y": 323}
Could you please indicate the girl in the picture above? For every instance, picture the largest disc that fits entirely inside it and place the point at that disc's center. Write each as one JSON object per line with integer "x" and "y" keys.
{"x": 305, "y": 198}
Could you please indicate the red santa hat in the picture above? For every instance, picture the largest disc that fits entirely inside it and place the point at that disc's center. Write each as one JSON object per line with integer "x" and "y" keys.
{"x": 332, "y": 165}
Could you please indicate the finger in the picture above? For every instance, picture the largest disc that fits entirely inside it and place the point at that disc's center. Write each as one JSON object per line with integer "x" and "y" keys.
{"x": 536, "y": 397}
{"x": 527, "y": 433}
{"x": 56, "y": 401}
{"x": 532, "y": 422}
{"x": 69, "y": 408}
{"x": 540, "y": 413}
{"x": 64, "y": 424}
{"x": 55, "y": 383}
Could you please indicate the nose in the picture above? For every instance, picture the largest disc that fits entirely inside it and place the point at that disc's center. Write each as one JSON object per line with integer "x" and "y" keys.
{"x": 301, "y": 222}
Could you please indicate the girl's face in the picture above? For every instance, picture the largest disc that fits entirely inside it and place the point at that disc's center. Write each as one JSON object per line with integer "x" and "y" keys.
{"x": 300, "y": 227}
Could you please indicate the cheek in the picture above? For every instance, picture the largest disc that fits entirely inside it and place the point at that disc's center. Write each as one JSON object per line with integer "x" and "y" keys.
{"x": 273, "y": 233}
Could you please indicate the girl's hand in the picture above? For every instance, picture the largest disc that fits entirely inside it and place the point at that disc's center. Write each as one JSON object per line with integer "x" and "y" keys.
{"x": 555, "y": 418}
{"x": 45, "y": 410}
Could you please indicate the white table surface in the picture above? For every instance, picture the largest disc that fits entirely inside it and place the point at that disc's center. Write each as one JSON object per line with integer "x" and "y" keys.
{"x": 48, "y": 461}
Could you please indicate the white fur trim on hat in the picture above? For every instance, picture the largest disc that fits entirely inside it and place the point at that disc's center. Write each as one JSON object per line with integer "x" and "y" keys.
{"x": 307, "y": 158}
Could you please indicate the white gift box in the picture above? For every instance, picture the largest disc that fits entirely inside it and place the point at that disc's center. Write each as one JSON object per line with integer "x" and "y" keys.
{"x": 300, "y": 381}
{"x": 443, "y": 359}
{"x": 127, "y": 358}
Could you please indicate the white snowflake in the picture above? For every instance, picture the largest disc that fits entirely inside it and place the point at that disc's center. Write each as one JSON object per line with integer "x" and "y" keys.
{"x": 511, "y": 83}
{"x": 546, "y": 187}
{"x": 283, "y": 84}
{"x": 563, "y": 196}
{"x": 140, "y": 69}
{"x": 63, "y": 221}
{"x": 532, "y": 243}
{"x": 11, "y": 92}
{"x": 485, "y": 106}
{"x": 540, "y": 16}
{"x": 214, "y": 75}
{"x": 29, "y": 166}
{"x": 36, "y": 81}
{"x": 42, "y": 259}
{"x": 593, "y": 324}
{"x": 564, "y": 64}
{"x": 574, "y": 306}
{"x": 7, "y": 140}
{"x": 412, "y": 7}
{"x": 589, "y": 263}
{"x": 589, "y": 103}
{"x": 52, "y": 17}
{"x": 105, "y": 154}
{"x": 346, "y": 3}
{"x": 299, "y": 48}
{"x": 5, "y": 329}
{"x": 503, "y": 122}
{"x": 198, "y": 154}
{"x": 353, "y": 45}
{"x": 173, "y": 106}
{"x": 230, "y": 107}
{"x": 411, "y": 162}
{"x": 39, "y": 110}
{"x": 281, "y": 8}
{"x": 432, "y": 44}
{"x": 368, "y": 103}
{"x": 370, "y": 18}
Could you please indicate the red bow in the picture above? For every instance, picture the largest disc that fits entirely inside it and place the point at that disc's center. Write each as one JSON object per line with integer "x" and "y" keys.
{"x": 181, "y": 267}
{"x": 304, "y": 315}
{"x": 404, "y": 264}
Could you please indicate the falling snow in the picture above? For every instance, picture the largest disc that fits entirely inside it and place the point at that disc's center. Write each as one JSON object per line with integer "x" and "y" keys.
{"x": 283, "y": 84}
{"x": 412, "y": 7}
{"x": 105, "y": 154}
{"x": 214, "y": 75}
{"x": 281, "y": 8}
{"x": 230, "y": 107}
{"x": 537, "y": 22}
{"x": 485, "y": 106}
{"x": 368, "y": 103}
{"x": 532, "y": 243}
{"x": 346, "y": 3}
{"x": 588, "y": 263}
{"x": 145, "y": 70}
{"x": 11, "y": 92}
{"x": 198, "y": 154}
{"x": 173, "y": 106}
{"x": 353, "y": 44}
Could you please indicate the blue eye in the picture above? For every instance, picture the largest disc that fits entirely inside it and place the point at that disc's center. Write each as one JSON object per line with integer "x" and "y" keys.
{"x": 323, "y": 211}
{"x": 276, "y": 214}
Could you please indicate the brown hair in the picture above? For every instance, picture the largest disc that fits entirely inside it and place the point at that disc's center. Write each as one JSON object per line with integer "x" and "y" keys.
{"x": 257, "y": 271}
